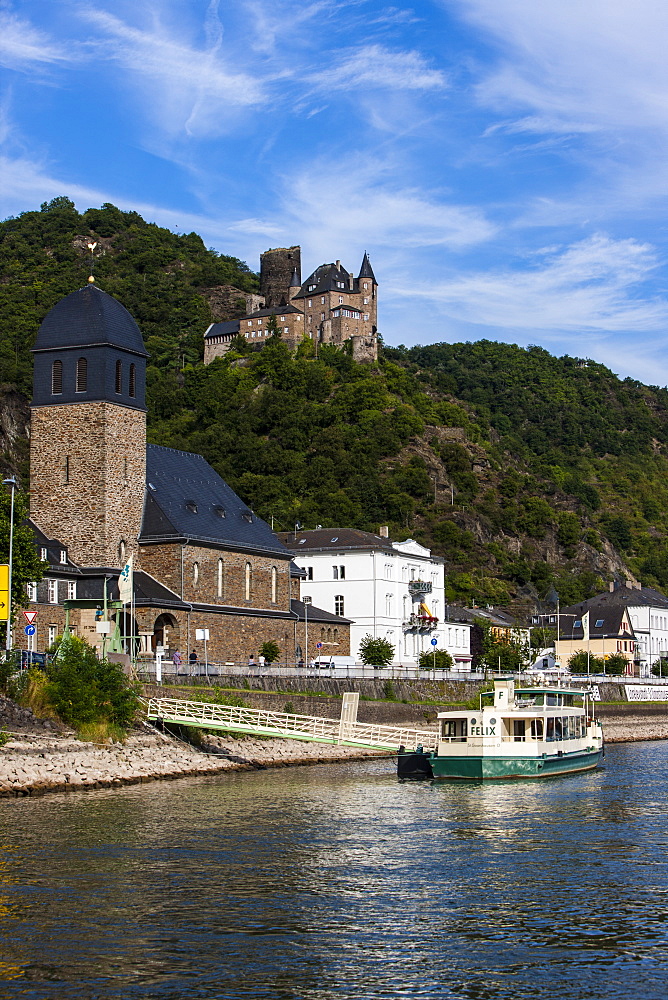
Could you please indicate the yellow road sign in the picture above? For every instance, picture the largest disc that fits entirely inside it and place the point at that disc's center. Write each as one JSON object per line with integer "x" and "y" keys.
{"x": 4, "y": 592}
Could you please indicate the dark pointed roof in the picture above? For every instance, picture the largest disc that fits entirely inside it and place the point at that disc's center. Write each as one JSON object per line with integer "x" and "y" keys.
{"x": 326, "y": 278}
{"x": 295, "y": 280}
{"x": 186, "y": 498}
{"x": 366, "y": 271}
{"x": 86, "y": 318}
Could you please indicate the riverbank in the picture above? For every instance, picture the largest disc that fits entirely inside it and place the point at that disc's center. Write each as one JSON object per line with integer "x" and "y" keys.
{"x": 43, "y": 757}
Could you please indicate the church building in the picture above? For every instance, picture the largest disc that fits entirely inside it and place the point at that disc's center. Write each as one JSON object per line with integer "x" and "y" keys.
{"x": 99, "y": 495}
{"x": 330, "y": 307}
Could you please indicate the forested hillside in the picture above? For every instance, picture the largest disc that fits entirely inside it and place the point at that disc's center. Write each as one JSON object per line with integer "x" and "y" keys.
{"x": 521, "y": 469}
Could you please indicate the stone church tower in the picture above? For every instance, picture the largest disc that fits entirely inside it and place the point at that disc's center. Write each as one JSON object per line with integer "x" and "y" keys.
{"x": 88, "y": 428}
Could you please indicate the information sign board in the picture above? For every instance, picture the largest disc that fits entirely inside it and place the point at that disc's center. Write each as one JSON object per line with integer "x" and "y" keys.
{"x": 4, "y": 592}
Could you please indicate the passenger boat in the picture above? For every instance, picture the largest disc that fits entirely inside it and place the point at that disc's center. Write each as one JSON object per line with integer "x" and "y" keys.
{"x": 531, "y": 732}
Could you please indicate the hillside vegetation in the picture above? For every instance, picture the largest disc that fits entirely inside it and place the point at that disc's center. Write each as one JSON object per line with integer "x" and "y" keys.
{"x": 523, "y": 470}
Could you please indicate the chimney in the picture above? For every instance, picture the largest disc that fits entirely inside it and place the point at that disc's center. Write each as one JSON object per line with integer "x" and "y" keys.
{"x": 384, "y": 531}
{"x": 611, "y": 587}
{"x": 338, "y": 265}
{"x": 629, "y": 584}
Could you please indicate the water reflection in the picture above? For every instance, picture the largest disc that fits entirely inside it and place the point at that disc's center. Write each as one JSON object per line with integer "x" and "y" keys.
{"x": 341, "y": 882}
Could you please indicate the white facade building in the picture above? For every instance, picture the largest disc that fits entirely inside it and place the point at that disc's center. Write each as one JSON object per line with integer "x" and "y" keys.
{"x": 390, "y": 590}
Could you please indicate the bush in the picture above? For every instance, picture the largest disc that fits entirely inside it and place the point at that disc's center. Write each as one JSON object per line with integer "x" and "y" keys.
{"x": 440, "y": 660}
{"x": 376, "y": 652}
{"x": 577, "y": 663}
{"x": 270, "y": 650}
{"x": 85, "y": 690}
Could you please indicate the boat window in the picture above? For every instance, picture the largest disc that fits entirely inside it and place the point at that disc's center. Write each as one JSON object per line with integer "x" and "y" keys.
{"x": 518, "y": 730}
{"x": 536, "y": 729}
{"x": 454, "y": 730}
{"x": 550, "y": 730}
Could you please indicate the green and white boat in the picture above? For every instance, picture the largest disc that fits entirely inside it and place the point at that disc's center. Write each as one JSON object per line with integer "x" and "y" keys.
{"x": 532, "y": 732}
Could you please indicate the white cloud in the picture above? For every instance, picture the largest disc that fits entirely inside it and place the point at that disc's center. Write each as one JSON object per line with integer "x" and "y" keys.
{"x": 373, "y": 66}
{"x": 23, "y": 46}
{"x": 197, "y": 91}
{"x": 593, "y": 285}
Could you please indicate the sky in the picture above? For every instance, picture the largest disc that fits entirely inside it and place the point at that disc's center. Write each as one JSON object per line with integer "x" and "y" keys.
{"x": 503, "y": 162}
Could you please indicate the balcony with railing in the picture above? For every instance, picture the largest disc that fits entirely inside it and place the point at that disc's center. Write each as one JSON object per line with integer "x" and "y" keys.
{"x": 420, "y": 623}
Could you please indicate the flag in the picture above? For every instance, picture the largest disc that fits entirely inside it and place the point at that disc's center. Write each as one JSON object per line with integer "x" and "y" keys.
{"x": 125, "y": 583}
{"x": 585, "y": 626}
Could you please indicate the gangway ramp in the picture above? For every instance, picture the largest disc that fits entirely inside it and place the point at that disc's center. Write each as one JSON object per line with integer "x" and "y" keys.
{"x": 346, "y": 731}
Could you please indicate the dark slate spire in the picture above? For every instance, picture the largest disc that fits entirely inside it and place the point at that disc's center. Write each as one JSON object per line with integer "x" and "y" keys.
{"x": 295, "y": 281}
{"x": 89, "y": 317}
{"x": 366, "y": 271}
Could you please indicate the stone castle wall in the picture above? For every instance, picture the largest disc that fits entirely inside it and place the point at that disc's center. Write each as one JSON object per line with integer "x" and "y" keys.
{"x": 88, "y": 477}
{"x": 276, "y": 270}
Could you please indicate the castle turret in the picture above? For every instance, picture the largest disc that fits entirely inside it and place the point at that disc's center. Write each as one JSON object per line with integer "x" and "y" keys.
{"x": 88, "y": 428}
{"x": 277, "y": 269}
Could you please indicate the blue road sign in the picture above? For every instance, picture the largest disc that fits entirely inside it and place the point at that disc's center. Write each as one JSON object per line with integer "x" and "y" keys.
{"x": 318, "y": 645}
{"x": 30, "y": 630}
{"x": 434, "y": 642}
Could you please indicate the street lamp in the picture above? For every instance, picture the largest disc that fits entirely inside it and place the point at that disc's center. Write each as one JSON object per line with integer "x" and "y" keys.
{"x": 11, "y": 481}
{"x": 306, "y": 601}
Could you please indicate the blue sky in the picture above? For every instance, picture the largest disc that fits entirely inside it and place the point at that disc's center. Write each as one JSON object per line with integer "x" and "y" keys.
{"x": 502, "y": 161}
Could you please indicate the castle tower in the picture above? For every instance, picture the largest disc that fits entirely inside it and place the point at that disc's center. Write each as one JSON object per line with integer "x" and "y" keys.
{"x": 277, "y": 268}
{"x": 368, "y": 288}
{"x": 88, "y": 428}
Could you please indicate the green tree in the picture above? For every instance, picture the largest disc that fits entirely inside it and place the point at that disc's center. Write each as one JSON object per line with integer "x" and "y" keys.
{"x": 376, "y": 652}
{"x": 84, "y": 689}
{"x": 272, "y": 328}
{"x": 26, "y": 564}
{"x": 581, "y": 663}
{"x": 440, "y": 660}
{"x": 270, "y": 650}
{"x": 506, "y": 649}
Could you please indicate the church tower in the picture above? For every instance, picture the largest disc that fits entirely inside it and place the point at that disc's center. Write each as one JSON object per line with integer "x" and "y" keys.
{"x": 88, "y": 428}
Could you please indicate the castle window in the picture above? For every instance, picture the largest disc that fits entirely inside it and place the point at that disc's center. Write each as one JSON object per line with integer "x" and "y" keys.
{"x": 248, "y": 582}
{"x": 366, "y": 286}
{"x": 310, "y": 303}
{"x": 274, "y": 584}
{"x": 220, "y": 578}
{"x": 286, "y": 329}
{"x": 67, "y": 468}
{"x": 322, "y": 300}
{"x": 195, "y": 572}
{"x": 282, "y": 319}
{"x": 56, "y": 378}
{"x": 32, "y": 591}
{"x": 132, "y": 381}
{"x": 82, "y": 374}
{"x": 119, "y": 377}
{"x": 338, "y": 605}
{"x": 121, "y": 551}
{"x": 340, "y": 299}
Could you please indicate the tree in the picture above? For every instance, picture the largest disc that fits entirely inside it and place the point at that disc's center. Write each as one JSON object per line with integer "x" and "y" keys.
{"x": 440, "y": 660}
{"x": 270, "y": 650}
{"x": 583, "y": 663}
{"x": 27, "y": 567}
{"x": 616, "y": 664}
{"x": 272, "y": 328}
{"x": 376, "y": 652}
{"x": 501, "y": 650}
{"x": 85, "y": 690}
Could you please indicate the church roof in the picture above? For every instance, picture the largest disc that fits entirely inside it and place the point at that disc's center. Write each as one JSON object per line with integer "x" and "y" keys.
{"x": 86, "y": 318}
{"x": 186, "y": 498}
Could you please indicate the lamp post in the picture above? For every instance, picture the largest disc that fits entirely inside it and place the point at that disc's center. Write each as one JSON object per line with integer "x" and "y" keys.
{"x": 306, "y": 601}
{"x": 11, "y": 481}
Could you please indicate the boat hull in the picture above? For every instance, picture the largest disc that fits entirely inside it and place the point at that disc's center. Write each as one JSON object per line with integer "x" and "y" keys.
{"x": 475, "y": 768}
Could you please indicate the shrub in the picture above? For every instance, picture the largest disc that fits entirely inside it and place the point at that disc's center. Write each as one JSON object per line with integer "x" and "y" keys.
{"x": 377, "y": 652}
{"x": 85, "y": 690}
{"x": 439, "y": 660}
{"x": 577, "y": 663}
{"x": 270, "y": 650}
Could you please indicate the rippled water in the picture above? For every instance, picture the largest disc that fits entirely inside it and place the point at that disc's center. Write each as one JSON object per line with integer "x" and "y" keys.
{"x": 340, "y": 881}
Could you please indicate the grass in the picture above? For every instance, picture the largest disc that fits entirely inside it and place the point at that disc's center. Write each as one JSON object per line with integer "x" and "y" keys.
{"x": 101, "y": 732}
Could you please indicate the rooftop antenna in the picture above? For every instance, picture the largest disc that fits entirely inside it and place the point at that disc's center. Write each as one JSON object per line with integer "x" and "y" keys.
{"x": 91, "y": 247}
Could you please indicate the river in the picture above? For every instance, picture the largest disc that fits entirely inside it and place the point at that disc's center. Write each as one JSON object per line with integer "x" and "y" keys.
{"x": 339, "y": 881}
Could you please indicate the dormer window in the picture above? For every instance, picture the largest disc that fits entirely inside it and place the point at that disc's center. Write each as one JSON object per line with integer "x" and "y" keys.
{"x": 191, "y": 506}
{"x": 311, "y": 288}
{"x": 247, "y": 516}
{"x": 44, "y": 555}
{"x": 82, "y": 375}
{"x": 219, "y": 511}
{"x": 63, "y": 556}
{"x": 56, "y": 378}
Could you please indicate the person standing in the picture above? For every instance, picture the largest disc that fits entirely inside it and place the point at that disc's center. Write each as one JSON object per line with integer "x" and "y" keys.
{"x": 261, "y": 661}
{"x": 176, "y": 660}
{"x": 251, "y": 661}
{"x": 192, "y": 659}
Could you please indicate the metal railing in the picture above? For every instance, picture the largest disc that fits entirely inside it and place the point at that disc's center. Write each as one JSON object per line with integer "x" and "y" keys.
{"x": 262, "y": 722}
{"x": 213, "y": 670}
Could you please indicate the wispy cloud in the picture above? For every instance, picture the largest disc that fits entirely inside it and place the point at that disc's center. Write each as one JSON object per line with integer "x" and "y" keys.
{"x": 373, "y": 66}
{"x": 23, "y": 46}
{"x": 593, "y": 285}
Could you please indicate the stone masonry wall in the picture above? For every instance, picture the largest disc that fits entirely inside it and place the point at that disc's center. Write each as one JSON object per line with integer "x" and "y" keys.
{"x": 276, "y": 268}
{"x": 87, "y": 478}
{"x": 174, "y": 566}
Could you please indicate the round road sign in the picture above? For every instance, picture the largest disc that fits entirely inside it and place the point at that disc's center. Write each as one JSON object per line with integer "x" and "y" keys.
{"x": 318, "y": 645}
{"x": 434, "y": 642}
{"x": 30, "y": 630}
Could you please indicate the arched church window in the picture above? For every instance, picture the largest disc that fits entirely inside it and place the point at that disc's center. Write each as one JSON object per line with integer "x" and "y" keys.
{"x": 274, "y": 584}
{"x": 121, "y": 551}
{"x": 82, "y": 374}
{"x": 119, "y": 377}
{"x": 132, "y": 380}
{"x": 220, "y": 582}
{"x": 248, "y": 581}
{"x": 195, "y": 572}
{"x": 56, "y": 378}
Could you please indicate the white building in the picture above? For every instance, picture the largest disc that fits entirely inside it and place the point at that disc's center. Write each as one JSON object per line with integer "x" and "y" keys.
{"x": 390, "y": 590}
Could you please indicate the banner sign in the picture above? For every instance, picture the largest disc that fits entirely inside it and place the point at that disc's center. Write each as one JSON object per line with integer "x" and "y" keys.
{"x": 125, "y": 583}
{"x": 646, "y": 692}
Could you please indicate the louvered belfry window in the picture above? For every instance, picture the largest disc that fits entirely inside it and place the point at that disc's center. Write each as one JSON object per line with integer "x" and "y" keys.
{"x": 119, "y": 377}
{"x": 82, "y": 374}
{"x": 132, "y": 380}
{"x": 56, "y": 378}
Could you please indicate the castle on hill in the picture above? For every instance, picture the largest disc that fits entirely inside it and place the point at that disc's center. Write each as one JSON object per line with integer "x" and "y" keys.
{"x": 330, "y": 307}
